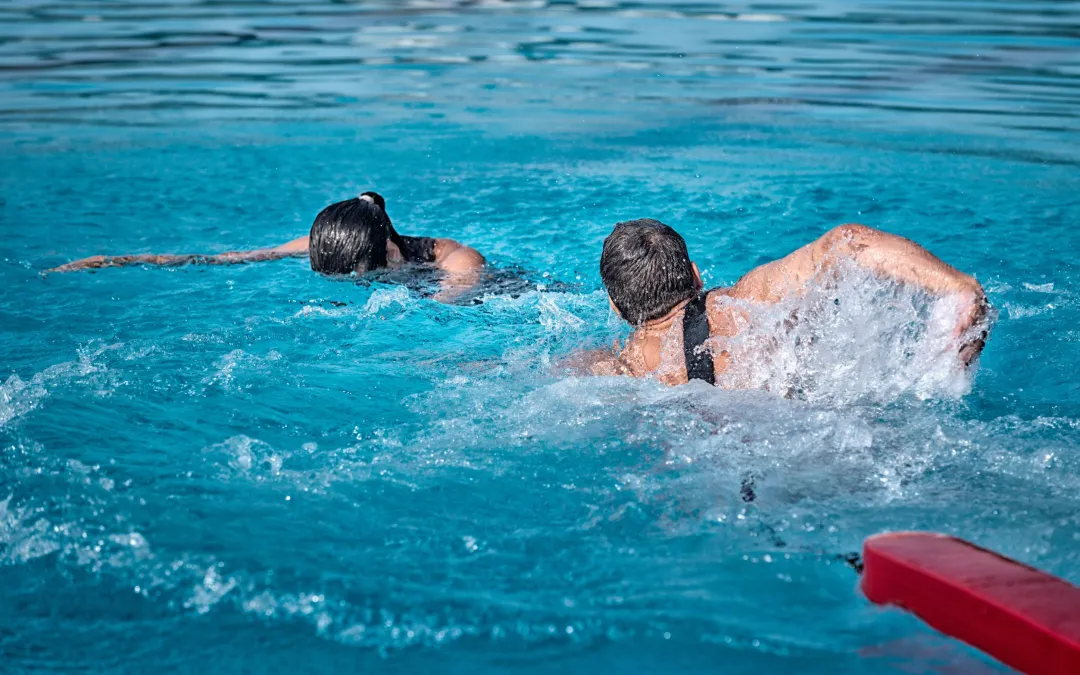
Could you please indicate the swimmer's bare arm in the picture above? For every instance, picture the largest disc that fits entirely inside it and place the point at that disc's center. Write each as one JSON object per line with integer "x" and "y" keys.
{"x": 880, "y": 252}
{"x": 463, "y": 266}
{"x": 296, "y": 248}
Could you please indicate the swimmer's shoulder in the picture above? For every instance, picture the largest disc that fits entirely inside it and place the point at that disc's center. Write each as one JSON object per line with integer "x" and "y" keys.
{"x": 724, "y": 315}
{"x": 726, "y": 319}
{"x": 454, "y": 256}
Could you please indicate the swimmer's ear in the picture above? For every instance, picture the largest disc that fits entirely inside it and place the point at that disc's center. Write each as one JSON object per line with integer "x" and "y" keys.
{"x": 697, "y": 276}
{"x": 614, "y": 308}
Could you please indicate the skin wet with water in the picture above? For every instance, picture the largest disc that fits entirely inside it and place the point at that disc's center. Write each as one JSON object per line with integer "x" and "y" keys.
{"x": 652, "y": 283}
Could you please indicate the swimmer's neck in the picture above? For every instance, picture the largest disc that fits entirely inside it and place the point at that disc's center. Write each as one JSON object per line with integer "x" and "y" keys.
{"x": 664, "y": 322}
{"x": 643, "y": 350}
{"x": 658, "y": 328}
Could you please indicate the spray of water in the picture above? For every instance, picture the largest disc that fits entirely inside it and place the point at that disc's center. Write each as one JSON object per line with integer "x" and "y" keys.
{"x": 858, "y": 338}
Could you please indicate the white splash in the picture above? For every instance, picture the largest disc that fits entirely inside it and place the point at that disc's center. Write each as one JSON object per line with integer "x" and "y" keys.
{"x": 23, "y": 534}
{"x": 383, "y": 298}
{"x": 18, "y": 396}
{"x": 859, "y": 339}
{"x": 250, "y": 456}
{"x": 554, "y": 317}
{"x": 213, "y": 588}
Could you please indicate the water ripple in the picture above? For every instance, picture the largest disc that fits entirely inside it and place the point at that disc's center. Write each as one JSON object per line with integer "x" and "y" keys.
{"x": 1007, "y": 67}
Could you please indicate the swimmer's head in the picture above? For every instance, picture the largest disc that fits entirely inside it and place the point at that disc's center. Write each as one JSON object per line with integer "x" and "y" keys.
{"x": 350, "y": 236}
{"x": 647, "y": 270}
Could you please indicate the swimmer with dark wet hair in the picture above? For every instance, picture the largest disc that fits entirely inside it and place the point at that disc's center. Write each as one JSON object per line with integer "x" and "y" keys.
{"x": 680, "y": 329}
{"x": 347, "y": 238}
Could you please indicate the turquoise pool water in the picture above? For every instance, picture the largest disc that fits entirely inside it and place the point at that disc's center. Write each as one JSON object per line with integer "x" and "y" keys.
{"x": 254, "y": 469}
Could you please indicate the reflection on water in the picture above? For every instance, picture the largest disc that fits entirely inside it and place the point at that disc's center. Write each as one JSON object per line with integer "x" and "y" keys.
{"x": 1009, "y": 67}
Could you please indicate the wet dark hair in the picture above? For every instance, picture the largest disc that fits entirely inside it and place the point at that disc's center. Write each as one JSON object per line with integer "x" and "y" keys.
{"x": 392, "y": 234}
{"x": 646, "y": 270}
{"x": 376, "y": 198}
{"x": 350, "y": 236}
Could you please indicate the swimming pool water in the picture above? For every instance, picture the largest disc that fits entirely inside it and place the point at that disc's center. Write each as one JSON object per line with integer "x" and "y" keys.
{"x": 254, "y": 469}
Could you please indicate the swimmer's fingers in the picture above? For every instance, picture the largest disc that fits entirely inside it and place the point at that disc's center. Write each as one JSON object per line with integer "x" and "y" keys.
{"x": 980, "y": 318}
{"x": 974, "y": 314}
{"x": 974, "y": 309}
{"x": 93, "y": 262}
{"x": 971, "y": 349}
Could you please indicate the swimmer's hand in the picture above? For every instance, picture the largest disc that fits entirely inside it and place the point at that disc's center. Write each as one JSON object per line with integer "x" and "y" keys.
{"x": 93, "y": 262}
{"x": 975, "y": 309}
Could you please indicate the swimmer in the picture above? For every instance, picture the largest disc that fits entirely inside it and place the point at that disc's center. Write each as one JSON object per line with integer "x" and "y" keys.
{"x": 653, "y": 285}
{"x": 350, "y": 237}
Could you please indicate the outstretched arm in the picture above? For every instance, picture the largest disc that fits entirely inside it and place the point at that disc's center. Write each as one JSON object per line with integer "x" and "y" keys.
{"x": 296, "y": 247}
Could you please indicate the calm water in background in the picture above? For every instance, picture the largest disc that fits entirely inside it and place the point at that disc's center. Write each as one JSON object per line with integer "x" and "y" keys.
{"x": 256, "y": 469}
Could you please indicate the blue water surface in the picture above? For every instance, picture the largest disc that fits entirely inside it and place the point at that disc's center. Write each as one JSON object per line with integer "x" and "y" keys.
{"x": 255, "y": 469}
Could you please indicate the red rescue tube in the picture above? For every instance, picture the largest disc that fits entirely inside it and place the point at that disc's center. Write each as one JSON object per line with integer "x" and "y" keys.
{"x": 1022, "y": 617}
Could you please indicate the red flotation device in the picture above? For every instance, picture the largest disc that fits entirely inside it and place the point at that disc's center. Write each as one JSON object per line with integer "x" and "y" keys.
{"x": 1022, "y": 617}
